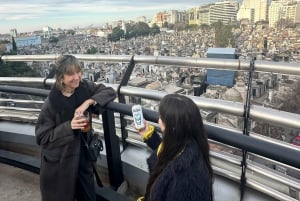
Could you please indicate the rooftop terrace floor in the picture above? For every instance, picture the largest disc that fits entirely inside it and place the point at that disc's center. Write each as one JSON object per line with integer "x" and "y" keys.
{"x": 18, "y": 184}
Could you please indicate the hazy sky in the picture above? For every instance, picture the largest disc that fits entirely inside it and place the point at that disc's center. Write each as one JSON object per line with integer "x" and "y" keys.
{"x": 29, "y": 15}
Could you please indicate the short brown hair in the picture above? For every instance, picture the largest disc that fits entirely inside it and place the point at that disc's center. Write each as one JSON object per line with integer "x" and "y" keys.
{"x": 65, "y": 64}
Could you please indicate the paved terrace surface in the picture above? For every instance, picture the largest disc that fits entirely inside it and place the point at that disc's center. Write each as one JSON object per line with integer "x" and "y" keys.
{"x": 21, "y": 185}
{"x": 18, "y": 185}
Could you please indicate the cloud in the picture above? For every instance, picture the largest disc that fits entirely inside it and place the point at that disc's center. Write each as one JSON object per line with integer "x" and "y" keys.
{"x": 26, "y": 13}
{"x": 12, "y": 11}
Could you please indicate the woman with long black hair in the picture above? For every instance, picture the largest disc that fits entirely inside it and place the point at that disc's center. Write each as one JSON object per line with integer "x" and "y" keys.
{"x": 180, "y": 167}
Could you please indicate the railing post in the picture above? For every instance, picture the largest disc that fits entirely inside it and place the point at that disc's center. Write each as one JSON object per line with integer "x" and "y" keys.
{"x": 112, "y": 146}
{"x": 246, "y": 129}
{"x": 121, "y": 98}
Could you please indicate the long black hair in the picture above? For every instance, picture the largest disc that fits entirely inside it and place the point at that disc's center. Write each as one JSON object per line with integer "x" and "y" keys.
{"x": 183, "y": 123}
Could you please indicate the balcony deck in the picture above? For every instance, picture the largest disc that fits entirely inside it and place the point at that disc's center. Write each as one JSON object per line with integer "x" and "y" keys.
{"x": 18, "y": 184}
{"x": 267, "y": 180}
{"x": 21, "y": 185}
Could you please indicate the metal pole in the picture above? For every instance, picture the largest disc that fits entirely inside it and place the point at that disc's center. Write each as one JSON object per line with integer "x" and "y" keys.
{"x": 246, "y": 130}
{"x": 121, "y": 97}
{"x": 112, "y": 146}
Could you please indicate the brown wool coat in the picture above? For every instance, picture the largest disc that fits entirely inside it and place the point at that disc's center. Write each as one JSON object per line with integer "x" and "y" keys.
{"x": 60, "y": 146}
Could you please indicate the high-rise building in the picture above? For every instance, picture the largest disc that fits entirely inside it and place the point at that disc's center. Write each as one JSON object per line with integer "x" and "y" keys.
{"x": 47, "y": 32}
{"x": 291, "y": 12}
{"x": 161, "y": 18}
{"x": 192, "y": 16}
{"x": 254, "y": 10}
{"x": 275, "y": 12}
{"x": 175, "y": 16}
{"x": 203, "y": 14}
{"x": 285, "y": 11}
{"x": 225, "y": 11}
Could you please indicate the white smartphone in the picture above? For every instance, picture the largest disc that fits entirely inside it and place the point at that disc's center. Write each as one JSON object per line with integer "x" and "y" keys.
{"x": 137, "y": 114}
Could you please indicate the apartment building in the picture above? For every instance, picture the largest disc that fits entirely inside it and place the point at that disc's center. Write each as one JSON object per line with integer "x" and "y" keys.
{"x": 254, "y": 10}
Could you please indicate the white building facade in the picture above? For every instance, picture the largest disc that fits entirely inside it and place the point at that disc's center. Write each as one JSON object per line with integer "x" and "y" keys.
{"x": 254, "y": 10}
{"x": 225, "y": 11}
{"x": 275, "y": 11}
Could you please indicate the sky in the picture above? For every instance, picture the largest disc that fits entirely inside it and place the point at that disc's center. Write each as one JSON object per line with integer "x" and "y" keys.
{"x": 31, "y": 15}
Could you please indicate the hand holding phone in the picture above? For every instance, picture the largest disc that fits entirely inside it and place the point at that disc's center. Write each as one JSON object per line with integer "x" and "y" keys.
{"x": 137, "y": 114}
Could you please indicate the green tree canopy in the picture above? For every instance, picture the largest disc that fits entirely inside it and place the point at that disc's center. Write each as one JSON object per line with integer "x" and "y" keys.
{"x": 154, "y": 29}
{"x": 53, "y": 40}
{"x": 71, "y": 32}
{"x": 223, "y": 34}
{"x": 116, "y": 34}
{"x": 14, "y": 45}
{"x": 133, "y": 30}
{"x": 92, "y": 50}
{"x": 16, "y": 69}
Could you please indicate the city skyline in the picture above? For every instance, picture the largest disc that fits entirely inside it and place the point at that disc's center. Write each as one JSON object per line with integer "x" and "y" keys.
{"x": 30, "y": 15}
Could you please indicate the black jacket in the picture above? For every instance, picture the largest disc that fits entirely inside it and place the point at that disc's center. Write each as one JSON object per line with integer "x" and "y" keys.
{"x": 186, "y": 177}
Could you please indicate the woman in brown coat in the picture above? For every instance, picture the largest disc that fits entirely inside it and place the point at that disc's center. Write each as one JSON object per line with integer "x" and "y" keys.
{"x": 66, "y": 173}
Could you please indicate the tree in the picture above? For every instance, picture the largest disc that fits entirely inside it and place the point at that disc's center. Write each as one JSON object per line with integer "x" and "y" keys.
{"x": 16, "y": 69}
{"x": 14, "y": 45}
{"x": 71, "y": 32}
{"x": 154, "y": 29}
{"x": 165, "y": 25}
{"x": 133, "y": 30}
{"x": 116, "y": 34}
{"x": 223, "y": 34}
{"x": 92, "y": 50}
{"x": 53, "y": 40}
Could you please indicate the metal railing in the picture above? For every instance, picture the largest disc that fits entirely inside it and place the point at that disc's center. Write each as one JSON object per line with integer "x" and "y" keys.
{"x": 264, "y": 147}
{"x": 229, "y": 64}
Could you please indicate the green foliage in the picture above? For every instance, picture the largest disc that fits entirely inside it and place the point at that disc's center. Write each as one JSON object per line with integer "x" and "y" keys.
{"x": 92, "y": 50}
{"x": 165, "y": 25}
{"x": 16, "y": 69}
{"x": 133, "y": 30}
{"x": 71, "y": 32}
{"x": 139, "y": 29}
{"x": 154, "y": 29}
{"x": 14, "y": 45}
{"x": 116, "y": 34}
{"x": 223, "y": 34}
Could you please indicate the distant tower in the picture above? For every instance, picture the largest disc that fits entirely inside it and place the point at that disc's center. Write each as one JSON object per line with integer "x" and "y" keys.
{"x": 124, "y": 27}
{"x": 47, "y": 32}
{"x": 13, "y": 33}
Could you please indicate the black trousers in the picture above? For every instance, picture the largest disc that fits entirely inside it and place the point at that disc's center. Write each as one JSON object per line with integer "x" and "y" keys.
{"x": 85, "y": 187}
